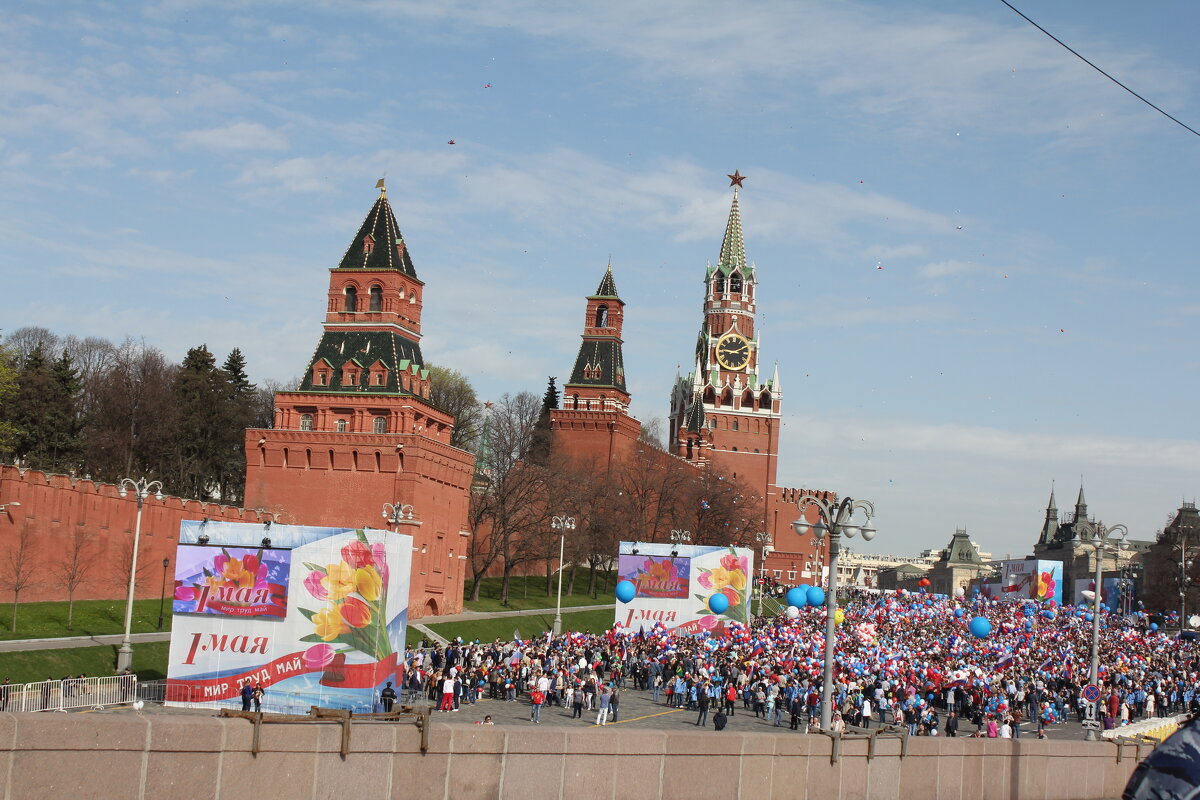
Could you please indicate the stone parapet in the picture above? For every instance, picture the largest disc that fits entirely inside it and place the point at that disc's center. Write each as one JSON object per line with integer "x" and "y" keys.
{"x": 185, "y": 756}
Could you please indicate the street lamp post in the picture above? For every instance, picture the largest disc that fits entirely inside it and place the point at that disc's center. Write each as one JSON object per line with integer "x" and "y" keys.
{"x": 163, "y": 596}
{"x": 764, "y": 539}
{"x": 396, "y": 513}
{"x": 562, "y": 524}
{"x": 678, "y": 537}
{"x": 834, "y": 521}
{"x": 1184, "y": 565}
{"x": 141, "y": 489}
{"x": 1104, "y": 539}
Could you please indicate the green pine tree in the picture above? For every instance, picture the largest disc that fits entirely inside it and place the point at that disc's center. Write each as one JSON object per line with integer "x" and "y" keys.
{"x": 45, "y": 411}
{"x": 541, "y": 445}
{"x": 66, "y": 421}
{"x": 201, "y": 391}
{"x": 239, "y": 408}
{"x": 8, "y": 391}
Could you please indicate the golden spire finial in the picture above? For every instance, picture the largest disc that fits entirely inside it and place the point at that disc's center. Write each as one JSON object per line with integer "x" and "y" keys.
{"x": 379, "y": 184}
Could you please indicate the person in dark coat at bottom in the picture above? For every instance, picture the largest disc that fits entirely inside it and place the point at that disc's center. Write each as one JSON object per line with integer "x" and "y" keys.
{"x": 719, "y": 720}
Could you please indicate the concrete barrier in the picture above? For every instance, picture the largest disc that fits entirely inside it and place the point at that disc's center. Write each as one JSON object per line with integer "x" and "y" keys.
{"x": 165, "y": 756}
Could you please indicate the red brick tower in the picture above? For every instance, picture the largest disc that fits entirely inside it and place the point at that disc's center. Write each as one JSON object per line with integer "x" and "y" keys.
{"x": 726, "y": 411}
{"x": 360, "y": 430}
{"x": 594, "y": 420}
{"x": 725, "y": 415}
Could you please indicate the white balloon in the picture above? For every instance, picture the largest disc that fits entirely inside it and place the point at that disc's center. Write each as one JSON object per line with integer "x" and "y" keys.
{"x": 792, "y": 612}
{"x": 959, "y": 591}
{"x": 1194, "y": 621}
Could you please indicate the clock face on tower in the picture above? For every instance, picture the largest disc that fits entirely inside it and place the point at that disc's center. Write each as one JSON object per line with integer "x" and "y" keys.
{"x": 733, "y": 351}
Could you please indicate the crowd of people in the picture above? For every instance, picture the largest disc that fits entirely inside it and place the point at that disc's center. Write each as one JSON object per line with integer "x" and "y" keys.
{"x": 900, "y": 659}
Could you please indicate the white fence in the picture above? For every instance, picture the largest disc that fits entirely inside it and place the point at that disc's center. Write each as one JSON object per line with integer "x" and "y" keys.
{"x": 69, "y": 695}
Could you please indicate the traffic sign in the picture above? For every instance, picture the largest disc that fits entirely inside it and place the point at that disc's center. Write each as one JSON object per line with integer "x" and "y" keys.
{"x": 1091, "y": 723}
{"x": 1091, "y": 693}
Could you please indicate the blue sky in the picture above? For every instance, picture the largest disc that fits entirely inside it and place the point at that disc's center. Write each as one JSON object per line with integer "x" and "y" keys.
{"x": 188, "y": 171}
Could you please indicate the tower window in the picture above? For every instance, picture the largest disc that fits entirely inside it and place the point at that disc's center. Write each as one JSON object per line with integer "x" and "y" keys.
{"x": 734, "y": 426}
{"x": 735, "y": 283}
{"x": 764, "y": 400}
{"x": 306, "y": 422}
{"x": 376, "y": 298}
{"x": 341, "y": 426}
{"x": 351, "y": 299}
{"x": 601, "y": 317}
{"x": 575, "y": 401}
{"x": 368, "y": 244}
{"x": 380, "y": 425}
{"x": 719, "y": 285}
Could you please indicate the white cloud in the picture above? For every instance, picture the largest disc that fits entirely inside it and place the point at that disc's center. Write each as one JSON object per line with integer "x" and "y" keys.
{"x": 76, "y": 157}
{"x": 235, "y": 136}
{"x": 885, "y": 252}
{"x": 946, "y": 269}
{"x": 927, "y": 72}
{"x": 988, "y": 444}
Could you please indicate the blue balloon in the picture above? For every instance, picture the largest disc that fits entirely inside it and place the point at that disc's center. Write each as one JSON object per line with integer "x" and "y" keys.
{"x": 626, "y": 591}
{"x": 718, "y": 603}
{"x": 1089, "y": 616}
{"x": 958, "y": 612}
{"x": 1028, "y": 625}
{"x": 1153, "y": 626}
{"x": 980, "y": 628}
{"x": 798, "y": 596}
{"x": 816, "y": 596}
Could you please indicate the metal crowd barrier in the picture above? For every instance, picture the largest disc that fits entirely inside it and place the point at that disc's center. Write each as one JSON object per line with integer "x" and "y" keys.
{"x": 71, "y": 694}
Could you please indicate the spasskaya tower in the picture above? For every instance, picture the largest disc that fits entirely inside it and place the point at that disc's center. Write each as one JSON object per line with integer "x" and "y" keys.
{"x": 726, "y": 412}
{"x": 725, "y": 415}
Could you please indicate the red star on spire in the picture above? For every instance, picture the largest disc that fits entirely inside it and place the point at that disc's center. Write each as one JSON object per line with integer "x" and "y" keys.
{"x": 736, "y": 178}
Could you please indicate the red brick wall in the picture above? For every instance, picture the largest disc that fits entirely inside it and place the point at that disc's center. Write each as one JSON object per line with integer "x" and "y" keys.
{"x": 54, "y": 507}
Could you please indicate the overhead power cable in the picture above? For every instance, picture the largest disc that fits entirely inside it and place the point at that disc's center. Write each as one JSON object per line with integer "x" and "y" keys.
{"x": 1076, "y": 53}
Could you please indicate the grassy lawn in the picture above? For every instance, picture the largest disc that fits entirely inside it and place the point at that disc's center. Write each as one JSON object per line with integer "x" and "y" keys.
{"x": 149, "y": 661}
{"x": 520, "y": 599}
{"x": 485, "y": 630}
{"x": 92, "y": 618}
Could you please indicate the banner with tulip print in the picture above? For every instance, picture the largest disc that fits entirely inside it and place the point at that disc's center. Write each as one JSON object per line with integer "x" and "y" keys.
{"x": 315, "y": 616}
{"x": 231, "y": 581}
{"x": 676, "y": 583}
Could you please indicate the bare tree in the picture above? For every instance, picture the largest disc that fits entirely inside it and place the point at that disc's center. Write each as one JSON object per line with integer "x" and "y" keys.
{"x": 452, "y": 392}
{"x": 510, "y": 505}
{"x": 120, "y": 578}
{"x": 133, "y": 425}
{"x": 652, "y": 433}
{"x": 72, "y": 567}
{"x": 20, "y": 567}
{"x": 92, "y": 358}
{"x": 24, "y": 341}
